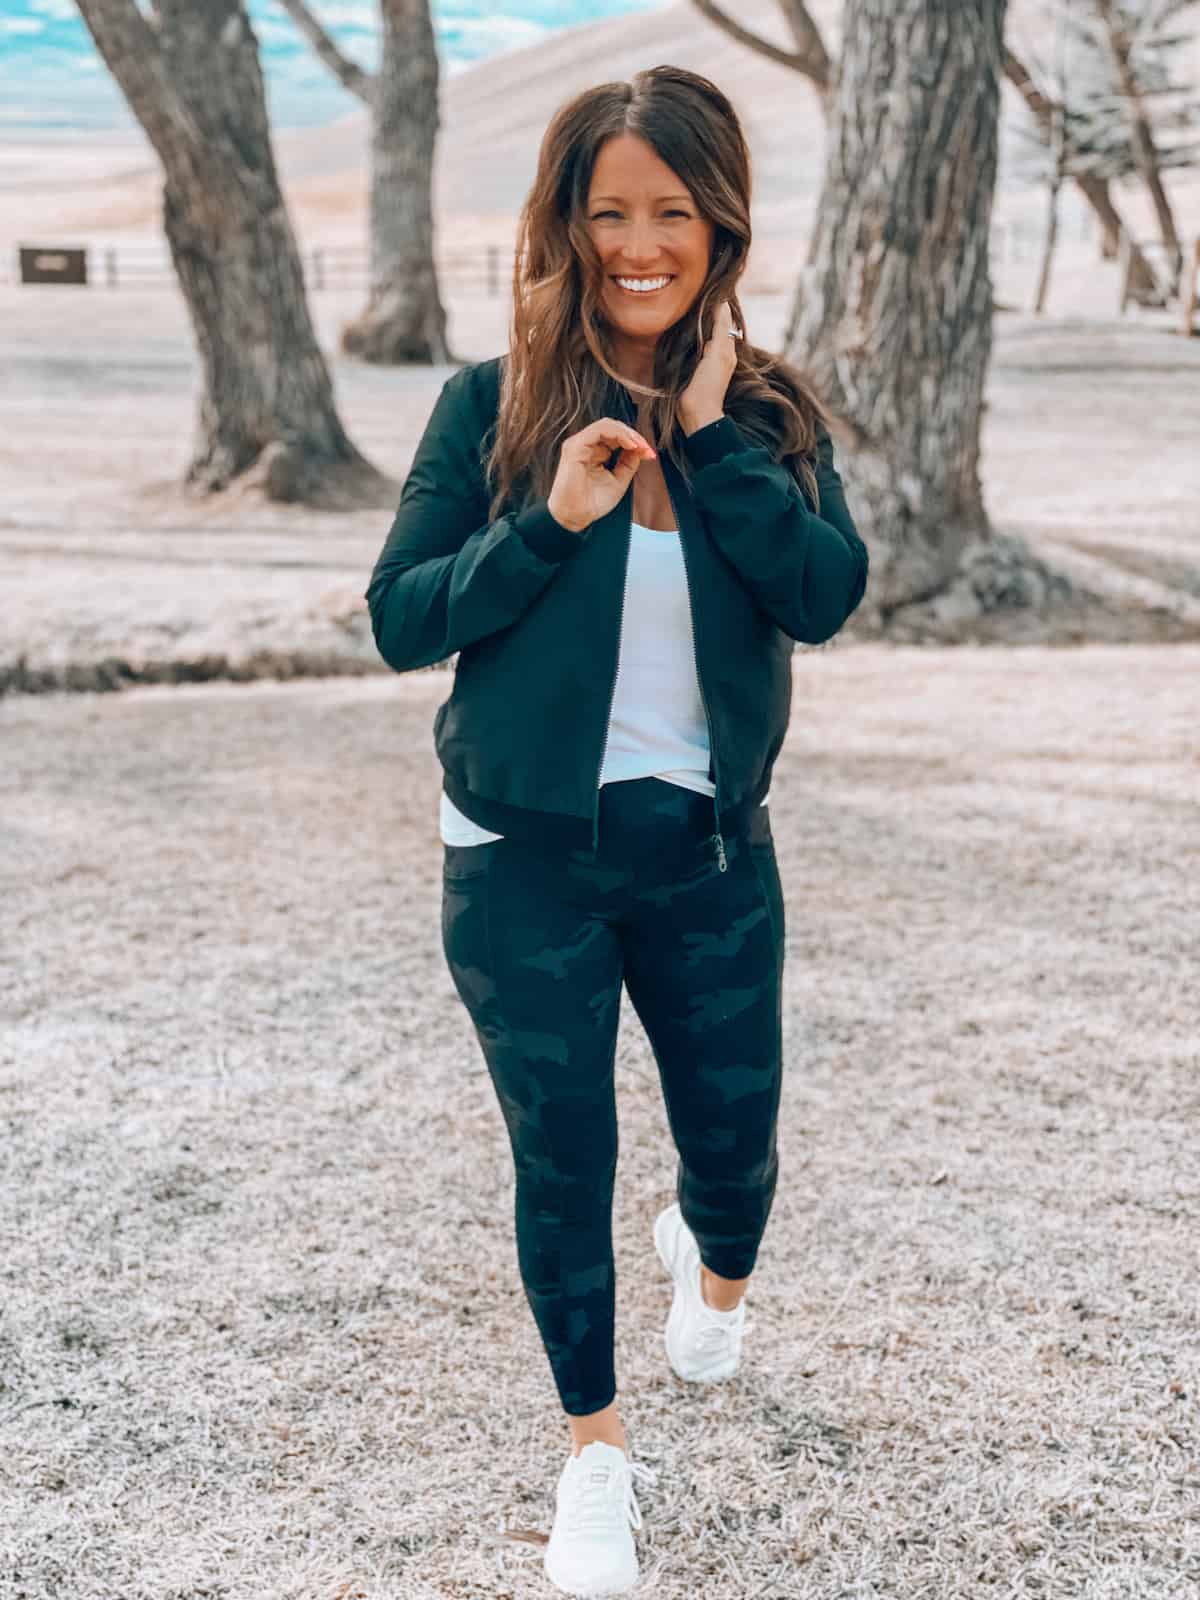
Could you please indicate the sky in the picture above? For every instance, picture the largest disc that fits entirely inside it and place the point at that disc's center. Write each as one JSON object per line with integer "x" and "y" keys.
{"x": 52, "y": 80}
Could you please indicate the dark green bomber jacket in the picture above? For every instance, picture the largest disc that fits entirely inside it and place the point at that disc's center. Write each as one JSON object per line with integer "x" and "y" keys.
{"x": 534, "y": 612}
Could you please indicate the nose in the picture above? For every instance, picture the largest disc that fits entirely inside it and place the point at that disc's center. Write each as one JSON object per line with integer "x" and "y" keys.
{"x": 639, "y": 251}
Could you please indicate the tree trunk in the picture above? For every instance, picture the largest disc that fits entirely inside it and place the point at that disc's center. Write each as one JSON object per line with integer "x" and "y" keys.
{"x": 192, "y": 77}
{"x": 894, "y": 320}
{"x": 1049, "y": 241}
{"x": 404, "y": 319}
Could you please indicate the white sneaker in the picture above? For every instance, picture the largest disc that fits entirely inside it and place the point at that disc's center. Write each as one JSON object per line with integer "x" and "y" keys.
{"x": 703, "y": 1345}
{"x": 591, "y": 1546}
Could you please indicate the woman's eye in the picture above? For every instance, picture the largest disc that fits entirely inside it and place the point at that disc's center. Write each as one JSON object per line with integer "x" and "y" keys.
{"x": 600, "y": 214}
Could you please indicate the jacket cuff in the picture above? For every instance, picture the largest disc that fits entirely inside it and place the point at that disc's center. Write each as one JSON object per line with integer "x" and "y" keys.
{"x": 711, "y": 442}
{"x": 545, "y": 536}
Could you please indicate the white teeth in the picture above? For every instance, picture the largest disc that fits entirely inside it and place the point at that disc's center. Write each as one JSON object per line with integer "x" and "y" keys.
{"x": 643, "y": 285}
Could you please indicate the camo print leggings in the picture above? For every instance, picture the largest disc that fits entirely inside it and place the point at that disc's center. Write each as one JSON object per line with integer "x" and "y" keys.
{"x": 538, "y": 941}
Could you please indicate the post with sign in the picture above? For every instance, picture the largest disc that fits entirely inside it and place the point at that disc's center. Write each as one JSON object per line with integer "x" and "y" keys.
{"x": 49, "y": 264}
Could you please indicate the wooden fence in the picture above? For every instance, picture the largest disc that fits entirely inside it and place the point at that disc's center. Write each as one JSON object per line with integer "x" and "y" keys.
{"x": 129, "y": 266}
{"x": 487, "y": 270}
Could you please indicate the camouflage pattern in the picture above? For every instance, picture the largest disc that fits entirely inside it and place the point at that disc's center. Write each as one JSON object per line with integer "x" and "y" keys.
{"x": 538, "y": 941}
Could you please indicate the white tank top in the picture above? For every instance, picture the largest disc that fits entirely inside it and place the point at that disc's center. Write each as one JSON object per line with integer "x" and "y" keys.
{"x": 656, "y": 727}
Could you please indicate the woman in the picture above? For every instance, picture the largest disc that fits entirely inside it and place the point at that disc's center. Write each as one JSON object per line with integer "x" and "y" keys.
{"x": 622, "y": 526}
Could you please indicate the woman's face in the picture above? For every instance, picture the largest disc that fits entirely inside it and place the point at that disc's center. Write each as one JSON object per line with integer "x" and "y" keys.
{"x": 644, "y": 224}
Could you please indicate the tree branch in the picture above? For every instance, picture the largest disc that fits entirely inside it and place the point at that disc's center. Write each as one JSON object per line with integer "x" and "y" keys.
{"x": 348, "y": 73}
{"x": 129, "y": 46}
{"x": 1145, "y": 150}
{"x": 809, "y": 57}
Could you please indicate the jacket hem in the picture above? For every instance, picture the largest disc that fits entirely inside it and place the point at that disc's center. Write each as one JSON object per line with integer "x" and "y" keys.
{"x": 562, "y": 828}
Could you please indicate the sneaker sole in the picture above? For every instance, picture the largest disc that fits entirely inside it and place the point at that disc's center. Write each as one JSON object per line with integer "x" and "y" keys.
{"x": 622, "y": 1583}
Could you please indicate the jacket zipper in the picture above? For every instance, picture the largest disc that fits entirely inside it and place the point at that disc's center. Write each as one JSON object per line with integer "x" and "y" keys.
{"x": 717, "y": 840}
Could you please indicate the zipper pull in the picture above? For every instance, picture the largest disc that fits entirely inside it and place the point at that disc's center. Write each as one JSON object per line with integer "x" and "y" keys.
{"x": 722, "y": 864}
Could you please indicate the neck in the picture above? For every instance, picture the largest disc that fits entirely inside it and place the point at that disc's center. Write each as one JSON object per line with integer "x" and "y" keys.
{"x": 634, "y": 359}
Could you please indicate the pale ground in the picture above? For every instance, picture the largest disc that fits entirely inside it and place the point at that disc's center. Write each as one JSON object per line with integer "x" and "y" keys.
{"x": 261, "y": 1327}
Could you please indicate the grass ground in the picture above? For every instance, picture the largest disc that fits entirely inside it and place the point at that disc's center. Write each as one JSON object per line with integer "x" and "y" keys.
{"x": 261, "y": 1326}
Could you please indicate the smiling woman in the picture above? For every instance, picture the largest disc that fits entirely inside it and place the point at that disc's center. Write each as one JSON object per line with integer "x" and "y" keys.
{"x": 618, "y": 702}
{"x": 629, "y": 192}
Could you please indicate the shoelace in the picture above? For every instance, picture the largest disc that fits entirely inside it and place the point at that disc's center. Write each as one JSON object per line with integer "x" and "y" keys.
{"x": 601, "y": 1489}
{"x": 714, "y": 1335}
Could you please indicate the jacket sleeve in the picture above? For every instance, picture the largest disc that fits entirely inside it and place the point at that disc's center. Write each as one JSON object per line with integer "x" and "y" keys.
{"x": 446, "y": 576}
{"x": 808, "y": 572}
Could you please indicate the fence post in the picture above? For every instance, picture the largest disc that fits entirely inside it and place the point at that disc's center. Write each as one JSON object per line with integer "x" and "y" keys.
{"x": 110, "y": 267}
{"x": 318, "y": 262}
{"x": 493, "y": 269}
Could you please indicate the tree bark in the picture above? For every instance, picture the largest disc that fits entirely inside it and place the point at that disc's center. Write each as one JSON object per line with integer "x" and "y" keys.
{"x": 192, "y": 77}
{"x": 894, "y": 315}
{"x": 404, "y": 320}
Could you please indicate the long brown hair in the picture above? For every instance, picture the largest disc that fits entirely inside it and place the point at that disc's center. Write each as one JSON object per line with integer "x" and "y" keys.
{"x": 558, "y": 375}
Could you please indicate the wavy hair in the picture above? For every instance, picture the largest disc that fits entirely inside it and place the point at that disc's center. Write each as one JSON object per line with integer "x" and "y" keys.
{"x": 559, "y": 375}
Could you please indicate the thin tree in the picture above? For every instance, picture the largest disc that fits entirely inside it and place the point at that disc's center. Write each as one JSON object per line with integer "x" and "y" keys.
{"x": 1092, "y": 112}
{"x": 190, "y": 72}
{"x": 1055, "y": 166}
{"x": 404, "y": 319}
{"x": 1090, "y": 174}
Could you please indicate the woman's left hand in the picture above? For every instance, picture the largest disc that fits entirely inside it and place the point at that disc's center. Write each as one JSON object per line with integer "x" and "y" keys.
{"x": 703, "y": 401}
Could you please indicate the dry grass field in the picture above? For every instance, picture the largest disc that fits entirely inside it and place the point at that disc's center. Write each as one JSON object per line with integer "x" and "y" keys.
{"x": 261, "y": 1328}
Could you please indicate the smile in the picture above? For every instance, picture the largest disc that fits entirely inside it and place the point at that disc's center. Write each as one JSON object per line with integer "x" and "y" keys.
{"x": 657, "y": 285}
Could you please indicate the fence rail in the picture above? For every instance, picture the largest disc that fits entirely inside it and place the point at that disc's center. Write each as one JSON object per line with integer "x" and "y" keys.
{"x": 487, "y": 270}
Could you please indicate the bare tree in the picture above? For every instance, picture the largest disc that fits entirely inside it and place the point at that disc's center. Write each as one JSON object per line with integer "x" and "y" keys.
{"x": 190, "y": 72}
{"x": 404, "y": 320}
{"x": 1120, "y": 31}
{"x": 1091, "y": 109}
{"x": 1047, "y": 116}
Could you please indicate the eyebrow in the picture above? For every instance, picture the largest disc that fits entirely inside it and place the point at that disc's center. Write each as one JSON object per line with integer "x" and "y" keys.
{"x": 661, "y": 197}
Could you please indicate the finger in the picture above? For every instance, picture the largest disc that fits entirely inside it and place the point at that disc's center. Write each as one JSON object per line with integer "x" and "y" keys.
{"x": 619, "y": 432}
{"x": 636, "y": 442}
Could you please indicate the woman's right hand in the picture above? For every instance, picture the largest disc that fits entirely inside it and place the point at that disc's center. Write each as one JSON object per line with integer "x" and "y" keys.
{"x": 584, "y": 489}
